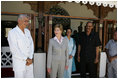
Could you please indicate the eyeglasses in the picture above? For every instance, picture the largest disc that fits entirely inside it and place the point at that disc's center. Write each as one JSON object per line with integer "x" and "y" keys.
{"x": 26, "y": 21}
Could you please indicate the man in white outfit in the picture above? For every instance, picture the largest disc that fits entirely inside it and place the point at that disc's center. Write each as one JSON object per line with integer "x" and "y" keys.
{"x": 22, "y": 48}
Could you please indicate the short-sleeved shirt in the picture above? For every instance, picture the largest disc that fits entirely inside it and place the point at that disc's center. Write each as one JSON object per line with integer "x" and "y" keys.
{"x": 88, "y": 46}
{"x": 112, "y": 47}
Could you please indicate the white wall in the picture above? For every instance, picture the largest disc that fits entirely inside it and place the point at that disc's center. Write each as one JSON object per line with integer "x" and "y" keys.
{"x": 17, "y": 7}
{"x": 75, "y": 9}
{"x": 112, "y": 15}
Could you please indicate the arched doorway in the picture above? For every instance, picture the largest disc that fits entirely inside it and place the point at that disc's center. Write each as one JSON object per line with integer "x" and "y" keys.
{"x": 57, "y": 10}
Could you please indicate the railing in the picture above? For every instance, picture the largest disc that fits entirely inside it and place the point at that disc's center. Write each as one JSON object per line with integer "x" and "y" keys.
{"x": 6, "y": 57}
{"x": 39, "y": 62}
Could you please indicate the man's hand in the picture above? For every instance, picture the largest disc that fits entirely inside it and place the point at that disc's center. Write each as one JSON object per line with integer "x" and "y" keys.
{"x": 28, "y": 62}
{"x": 66, "y": 67}
{"x": 96, "y": 60}
{"x": 70, "y": 56}
{"x": 49, "y": 70}
{"x": 111, "y": 59}
{"x": 78, "y": 58}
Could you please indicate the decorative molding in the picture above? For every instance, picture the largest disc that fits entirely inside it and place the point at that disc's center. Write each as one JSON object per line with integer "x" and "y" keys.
{"x": 99, "y": 11}
{"x": 110, "y": 4}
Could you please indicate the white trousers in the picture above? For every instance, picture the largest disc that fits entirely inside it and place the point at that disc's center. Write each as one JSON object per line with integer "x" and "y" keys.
{"x": 27, "y": 73}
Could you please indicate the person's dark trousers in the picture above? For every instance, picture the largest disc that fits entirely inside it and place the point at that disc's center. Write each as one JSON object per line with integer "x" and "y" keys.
{"x": 91, "y": 67}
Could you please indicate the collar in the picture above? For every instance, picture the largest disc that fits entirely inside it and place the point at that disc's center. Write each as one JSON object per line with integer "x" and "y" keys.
{"x": 55, "y": 38}
{"x": 20, "y": 31}
{"x": 91, "y": 34}
{"x": 67, "y": 38}
{"x": 17, "y": 27}
{"x": 114, "y": 41}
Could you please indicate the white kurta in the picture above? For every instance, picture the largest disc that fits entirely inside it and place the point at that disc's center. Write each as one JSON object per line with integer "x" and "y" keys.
{"x": 21, "y": 47}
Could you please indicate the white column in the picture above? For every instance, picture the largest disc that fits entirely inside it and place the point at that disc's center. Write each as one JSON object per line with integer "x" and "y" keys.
{"x": 102, "y": 69}
{"x": 39, "y": 65}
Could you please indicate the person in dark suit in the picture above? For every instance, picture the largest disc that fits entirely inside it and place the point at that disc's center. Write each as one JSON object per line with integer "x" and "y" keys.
{"x": 88, "y": 51}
